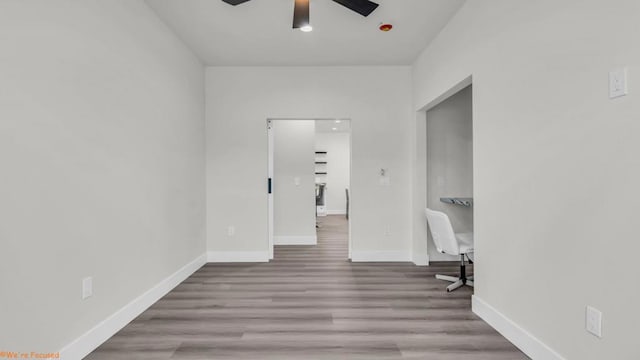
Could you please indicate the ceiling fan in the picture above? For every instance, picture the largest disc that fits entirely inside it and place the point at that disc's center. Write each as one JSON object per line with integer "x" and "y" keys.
{"x": 301, "y": 10}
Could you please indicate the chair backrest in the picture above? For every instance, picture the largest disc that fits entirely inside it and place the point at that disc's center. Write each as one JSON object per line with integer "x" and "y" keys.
{"x": 442, "y": 232}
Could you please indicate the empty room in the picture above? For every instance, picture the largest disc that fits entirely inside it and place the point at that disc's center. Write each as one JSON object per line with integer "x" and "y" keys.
{"x": 319, "y": 179}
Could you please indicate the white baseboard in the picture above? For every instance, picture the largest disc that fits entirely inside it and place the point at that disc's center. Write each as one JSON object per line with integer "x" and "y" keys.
{"x": 336, "y": 212}
{"x": 421, "y": 259}
{"x": 295, "y": 240}
{"x": 380, "y": 256}
{"x": 237, "y": 256}
{"x": 437, "y": 256}
{"x": 100, "y": 333}
{"x": 521, "y": 338}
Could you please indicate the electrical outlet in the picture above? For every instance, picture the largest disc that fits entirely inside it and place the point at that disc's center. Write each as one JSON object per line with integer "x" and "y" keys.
{"x": 593, "y": 321}
{"x": 231, "y": 230}
{"x": 618, "y": 83}
{"x": 87, "y": 287}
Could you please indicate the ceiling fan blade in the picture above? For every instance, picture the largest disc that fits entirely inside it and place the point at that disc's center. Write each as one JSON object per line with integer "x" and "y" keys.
{"x": 300, "y": 13}
{"x": 362, "y": 7}
{"x": 235, "y": 2}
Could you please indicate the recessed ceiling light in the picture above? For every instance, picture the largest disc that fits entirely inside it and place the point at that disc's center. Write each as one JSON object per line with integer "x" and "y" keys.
{"x": 306, "y": 28}
{"x": 338, "y": 121}
{"x": 334, "y": 129}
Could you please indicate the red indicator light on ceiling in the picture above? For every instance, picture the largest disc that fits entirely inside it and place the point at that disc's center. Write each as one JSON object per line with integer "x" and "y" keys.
{"x": 386, "y": 27}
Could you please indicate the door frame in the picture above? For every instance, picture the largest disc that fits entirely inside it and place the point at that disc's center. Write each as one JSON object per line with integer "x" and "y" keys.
{"x": 270, "y": 177}
{"x": 419, "y": 201}
{"x": 270, "y": 185}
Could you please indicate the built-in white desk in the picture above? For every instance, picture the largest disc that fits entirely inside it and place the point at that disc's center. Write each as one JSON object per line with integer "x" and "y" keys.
{"x": 468, "y": 202}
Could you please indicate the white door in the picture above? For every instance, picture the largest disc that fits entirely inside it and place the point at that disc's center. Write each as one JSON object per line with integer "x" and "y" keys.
{"x": 270, "y": 185}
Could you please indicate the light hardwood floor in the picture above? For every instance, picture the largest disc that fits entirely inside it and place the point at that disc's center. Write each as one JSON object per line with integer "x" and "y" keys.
{"x": 312, "y": 303}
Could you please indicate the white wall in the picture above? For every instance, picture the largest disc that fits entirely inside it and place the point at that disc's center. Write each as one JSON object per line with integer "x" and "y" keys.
{"x": 294, "y": 181}
{"x": 556, "y": 163}
{"x": 378, "y": 102}
{"x": 338, "y": 166}
{"x": 102, "y": 153}
{"x": 450, "y": 163}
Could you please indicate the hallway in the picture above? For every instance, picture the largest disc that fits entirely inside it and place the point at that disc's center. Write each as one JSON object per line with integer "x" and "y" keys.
{"x": 312, "y": 303}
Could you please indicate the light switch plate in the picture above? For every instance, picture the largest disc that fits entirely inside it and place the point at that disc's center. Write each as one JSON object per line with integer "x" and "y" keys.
{"x": 231, "y": 230}
{"x": 594, "y": 321}
{"x": 618, "y": 83}
{"x": 87, "y": 287}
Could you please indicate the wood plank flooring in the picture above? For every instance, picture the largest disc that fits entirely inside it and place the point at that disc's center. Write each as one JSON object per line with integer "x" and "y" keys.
{"x": 311, "y": 303}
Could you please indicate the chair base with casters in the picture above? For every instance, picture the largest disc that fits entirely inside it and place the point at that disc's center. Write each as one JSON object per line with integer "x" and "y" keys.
{"x": 460, "y": 281}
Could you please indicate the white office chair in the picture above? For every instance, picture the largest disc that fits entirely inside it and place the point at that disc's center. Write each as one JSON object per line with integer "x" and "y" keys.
{"x": 448, "y": 242}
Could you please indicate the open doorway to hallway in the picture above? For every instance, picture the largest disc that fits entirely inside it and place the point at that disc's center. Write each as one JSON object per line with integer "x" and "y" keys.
{"x": 309, "y": 170}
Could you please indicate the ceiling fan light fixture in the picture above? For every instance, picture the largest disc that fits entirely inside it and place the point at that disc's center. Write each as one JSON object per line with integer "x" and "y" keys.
{"x": 301, "y": 10}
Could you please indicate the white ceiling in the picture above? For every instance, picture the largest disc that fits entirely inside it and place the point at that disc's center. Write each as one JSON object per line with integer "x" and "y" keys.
{"x": 259, "y": 32}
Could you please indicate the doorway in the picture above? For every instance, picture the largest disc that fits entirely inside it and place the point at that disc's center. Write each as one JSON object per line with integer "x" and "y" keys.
{"x": 309, "y": 175}
{"x": 449, "y": 164}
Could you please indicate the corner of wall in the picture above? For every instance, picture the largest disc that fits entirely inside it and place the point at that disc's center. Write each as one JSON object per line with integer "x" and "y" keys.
{"x": 521, "y": 338}
{"x": 100, "y": 333}
{"x": 420, "y": 259}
